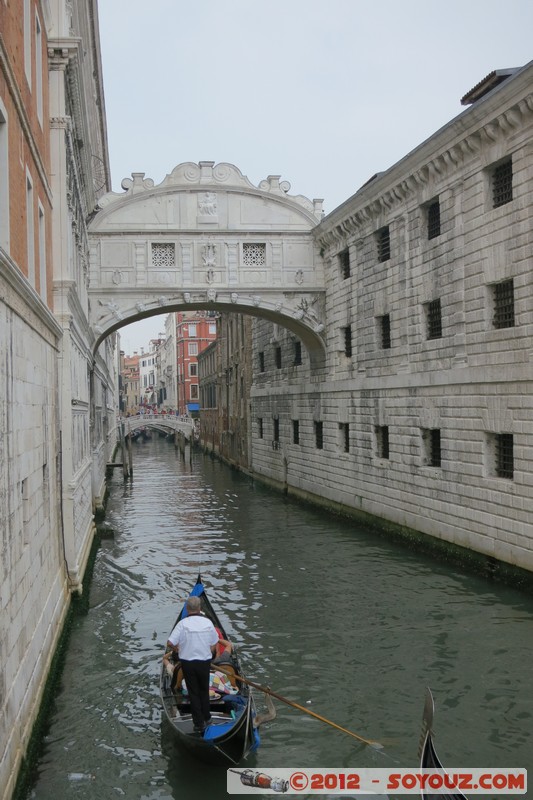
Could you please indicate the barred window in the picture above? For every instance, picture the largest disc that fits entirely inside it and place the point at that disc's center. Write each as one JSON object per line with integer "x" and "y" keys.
{"x": 344, "y": 431}
{"x": 163, "y": 254}
{"x": 503, "y": 296}
{"x": 319, "y": 435}
{"x": 254, "y": 255}
{"x": 276, "y": 429}
{"x": 277, "y": 356}
{"x": 296, "y": 431}
{"x": 384, "y": 327}
{"x": 502, "y": 184}
{"x": 383, "y": 241}
{"x": 431, "y": 439}
{"x": 344, "y": 263}
{"x": 261, "y": 361}
{"x": 382, "y": 441}
{"x": 260, "y": 427}
{"x": 347, "y": 337}
{"x": 434, "y": 319}
{"x": 504, "y": 455}
{"x": 297, "y": 353}
{"x": 433, "y": 219}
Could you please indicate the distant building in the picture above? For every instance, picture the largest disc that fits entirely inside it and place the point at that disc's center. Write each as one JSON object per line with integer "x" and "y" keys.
{"x": 194, "y": 332}
{"x": 130, "y": 384}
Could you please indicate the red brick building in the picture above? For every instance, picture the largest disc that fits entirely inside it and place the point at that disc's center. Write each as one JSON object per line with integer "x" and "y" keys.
{"x": 194, "y": 332}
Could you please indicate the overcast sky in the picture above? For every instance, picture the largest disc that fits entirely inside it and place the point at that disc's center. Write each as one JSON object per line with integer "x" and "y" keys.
{"x": 324, "y": 94}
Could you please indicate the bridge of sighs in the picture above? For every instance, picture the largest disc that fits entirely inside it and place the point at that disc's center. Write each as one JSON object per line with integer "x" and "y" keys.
{"x": 207, "y": 238}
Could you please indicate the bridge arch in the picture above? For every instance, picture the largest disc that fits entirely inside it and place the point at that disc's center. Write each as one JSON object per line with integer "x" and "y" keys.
{"x": 207, "y": 238}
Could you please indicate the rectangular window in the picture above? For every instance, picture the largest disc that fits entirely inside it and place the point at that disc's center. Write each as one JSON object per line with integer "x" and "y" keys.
{"x": 344, "y": 432}
{"x": 43, "y": 289}
{"x": 193, "y": 370}
{"x": 277, "y": 357}
{"x": 296, "y": 431}
{"x": 344, "y": 264}
{"x": 382, "y": 441}
{"x": 434, "y": 319}
{"x": 319, "y": 435}
{"x": 431, "y": 440}
{"x": 30, "y": 231}
{"x": 297, "y": 353}
{"x": 212, "y": 328}
{"x": 27, "y": 40}
{"x": 192, "y": 348}
{"x": 503, "y": 297}
{"x": 194, "y": 391}
{"x": 192, "y": 329}
{"x": 383, "y": 242}
{"x": 39, "y": 69}
{"x": 504, "y": 455}
{"x": 433, "y": 219}
{"x": 261, "y": 357}
{"x": 384, "y": 328}
{"x": 347, "y": 337}
{"x": 254, "y": 255}
{"x": 502, "y": 184}
{"x": 260, "y": 427}
{"x": 275, "y": 429}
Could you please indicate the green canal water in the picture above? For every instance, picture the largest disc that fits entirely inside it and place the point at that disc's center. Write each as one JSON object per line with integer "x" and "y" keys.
{"x": 328, "y": 614}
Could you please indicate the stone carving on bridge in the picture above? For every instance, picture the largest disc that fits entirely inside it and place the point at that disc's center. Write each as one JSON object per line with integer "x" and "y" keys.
{"x": 114, "y": 309}
{"x": 116, "y": 277}
{"x": 234, "y": 297}
{"x": 210, "y": 275}
{"x": 211, "y": 295}
{"x": 311, "y": 312}
{"x": 209, "y": 255}
{"x": 207, "y": 205}
{"x": 186, "y": 297}
{"x": 299, "y": 277}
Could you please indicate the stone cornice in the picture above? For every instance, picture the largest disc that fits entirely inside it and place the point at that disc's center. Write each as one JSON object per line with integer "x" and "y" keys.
{"x": 379, "y": 198}
{"x": 20, "y": 296}
{"x": 23, "y": 118}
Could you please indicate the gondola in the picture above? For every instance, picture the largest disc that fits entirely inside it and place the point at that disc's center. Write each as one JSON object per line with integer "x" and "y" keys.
{"x": 428, "y": 755}
{"x": 233, "y": 733}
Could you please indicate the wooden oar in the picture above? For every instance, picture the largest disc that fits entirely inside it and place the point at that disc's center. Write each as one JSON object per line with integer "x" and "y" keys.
{"x": 268, "y": 691}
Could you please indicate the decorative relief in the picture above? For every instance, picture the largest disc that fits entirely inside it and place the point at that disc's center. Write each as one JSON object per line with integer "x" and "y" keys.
{"x": 299, "y": 277}
{"x": 116, "y": 277}
{"x": 234, "y": 297}
{"x": 310, "y": 312}
{"x": 113, "y": 308}
{"x": 209, "y": 255}
{"x": 207, "y": 207}
{"x": 211, "y": 295}
{"x": 186, "y": 297}
{"x": 210, "y": 275}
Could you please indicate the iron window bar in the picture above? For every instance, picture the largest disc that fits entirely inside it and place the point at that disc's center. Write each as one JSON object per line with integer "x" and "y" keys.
{"x": 504, "y": 304}
{"x": 502, "y": 184}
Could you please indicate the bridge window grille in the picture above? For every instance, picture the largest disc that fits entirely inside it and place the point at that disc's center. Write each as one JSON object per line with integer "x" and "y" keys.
{"x": 503, "y": 294}
{"x": 296, "y": 431}
{"x": 319, "y": 435}
{"x": 384, "y": 324}
{"x": 433, "y": 219}
{"x": 382, "y": 441}
{"x": 254, "y": 255}
{"x": 297, "y": 353}
{"x": 344, "y": 263}
{"x": 504, "y": 455}
{"x": 344, "y": 431}
{"x": 431, "y": 438}
{"x": 347, "y": 336}
{"x": 434, "y": 319}
{"x": 163, "y": 254}
{"x": 502, "y": 184}
{"x": 383, "y": 242}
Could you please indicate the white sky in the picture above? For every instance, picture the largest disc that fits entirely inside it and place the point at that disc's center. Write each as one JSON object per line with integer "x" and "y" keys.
{"x": 324, "y": 94}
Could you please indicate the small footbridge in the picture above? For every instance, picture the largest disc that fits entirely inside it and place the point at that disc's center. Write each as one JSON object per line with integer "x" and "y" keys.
{"x": 167, "y": 423}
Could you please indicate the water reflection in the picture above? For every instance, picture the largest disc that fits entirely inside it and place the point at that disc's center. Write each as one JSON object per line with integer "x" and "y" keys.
{"x": 328, "y": 614}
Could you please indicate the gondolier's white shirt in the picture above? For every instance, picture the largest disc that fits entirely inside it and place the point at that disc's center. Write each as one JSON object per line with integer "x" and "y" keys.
{"x": 194, "y": 636}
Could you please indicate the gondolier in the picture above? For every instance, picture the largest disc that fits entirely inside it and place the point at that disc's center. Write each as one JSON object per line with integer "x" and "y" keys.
{"x": 194, "y": 638}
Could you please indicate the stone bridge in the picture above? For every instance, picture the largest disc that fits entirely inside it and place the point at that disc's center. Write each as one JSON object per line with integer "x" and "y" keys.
{"x": 207, "y": 238}
{"x": 165, "y": 422}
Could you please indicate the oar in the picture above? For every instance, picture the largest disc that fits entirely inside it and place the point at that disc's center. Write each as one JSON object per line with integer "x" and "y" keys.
{"x": 266, "y": 690}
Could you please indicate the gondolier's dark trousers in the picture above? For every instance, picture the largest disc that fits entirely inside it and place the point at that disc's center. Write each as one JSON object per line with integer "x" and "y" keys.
{"x": 196, "y": 674}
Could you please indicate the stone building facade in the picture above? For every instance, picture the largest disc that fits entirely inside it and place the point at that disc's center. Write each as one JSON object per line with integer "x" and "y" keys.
{"x": 421, "y": 416}
{"x": 225, "y": 376}
{"x": 57, "y": 396}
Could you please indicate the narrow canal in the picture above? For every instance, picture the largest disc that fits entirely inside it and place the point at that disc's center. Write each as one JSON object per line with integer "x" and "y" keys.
{"x": 340, "y": 620}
